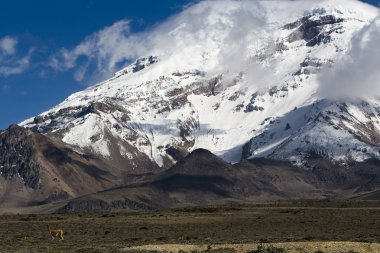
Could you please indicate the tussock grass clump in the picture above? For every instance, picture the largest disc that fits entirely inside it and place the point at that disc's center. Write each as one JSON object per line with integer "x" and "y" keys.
{"x": 267, "y": 249}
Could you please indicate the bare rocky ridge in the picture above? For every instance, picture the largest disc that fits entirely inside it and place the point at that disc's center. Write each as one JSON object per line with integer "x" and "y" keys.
{"x": 202, "y": 178}
{"x": 314, "y": 31}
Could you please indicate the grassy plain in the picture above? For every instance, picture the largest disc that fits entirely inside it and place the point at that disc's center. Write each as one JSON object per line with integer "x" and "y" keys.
{"x": 305, "y": 226}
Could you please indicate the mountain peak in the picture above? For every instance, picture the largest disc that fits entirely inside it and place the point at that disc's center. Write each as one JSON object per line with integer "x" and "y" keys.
{"x": 238, "y": 78}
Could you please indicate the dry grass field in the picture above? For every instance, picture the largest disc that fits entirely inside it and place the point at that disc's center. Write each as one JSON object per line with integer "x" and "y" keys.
{"x": 308, "y": 226}
{"x": 288, "y": 247}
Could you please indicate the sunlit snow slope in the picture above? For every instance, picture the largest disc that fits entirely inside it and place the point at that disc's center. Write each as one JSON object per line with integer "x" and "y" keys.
{"x": 239, "y": 78}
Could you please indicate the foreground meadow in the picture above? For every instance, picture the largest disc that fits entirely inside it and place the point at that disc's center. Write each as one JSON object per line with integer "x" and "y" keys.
{"x": 315, "y": 227}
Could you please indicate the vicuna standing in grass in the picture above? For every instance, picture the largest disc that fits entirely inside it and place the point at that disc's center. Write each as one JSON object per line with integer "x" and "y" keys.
{"x": 55, "y": 233}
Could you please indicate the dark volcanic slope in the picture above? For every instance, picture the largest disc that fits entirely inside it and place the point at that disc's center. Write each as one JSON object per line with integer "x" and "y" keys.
{"x": 202, "y": 178}
{"x": 36, "y": 169}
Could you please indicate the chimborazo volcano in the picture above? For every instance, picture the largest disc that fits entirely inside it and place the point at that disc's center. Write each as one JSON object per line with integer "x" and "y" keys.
{"x": 231, "y": 102}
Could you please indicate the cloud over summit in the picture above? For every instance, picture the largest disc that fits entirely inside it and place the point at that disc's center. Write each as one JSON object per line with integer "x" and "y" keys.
{"x": 218, "y": 37}
{"x": 212, "y": 35}
{"x": 358, "y": 74}
{"x": 104, "y": 49}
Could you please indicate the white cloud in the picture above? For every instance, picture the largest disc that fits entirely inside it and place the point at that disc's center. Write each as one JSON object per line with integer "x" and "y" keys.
{"x": 10, "y": 61}
{"x": 206, "y": 35}
{"x": 8, "y": 45}
{"x": 14, "y": 66}
{"x": 217, "y": 37}
{"x": 104, "y": 48}
{"x": 358, "y": 75}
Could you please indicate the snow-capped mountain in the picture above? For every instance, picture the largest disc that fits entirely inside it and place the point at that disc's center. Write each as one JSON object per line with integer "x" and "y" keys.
{"x": 238, "y": 78}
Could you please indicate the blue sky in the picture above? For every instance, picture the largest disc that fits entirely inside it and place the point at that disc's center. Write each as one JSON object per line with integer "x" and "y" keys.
{"x": 32, "y": 33}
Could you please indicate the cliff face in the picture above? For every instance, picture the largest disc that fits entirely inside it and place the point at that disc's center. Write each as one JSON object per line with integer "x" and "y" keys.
{"x": 36, "y": 169}
{"x": 18, "y": 156}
